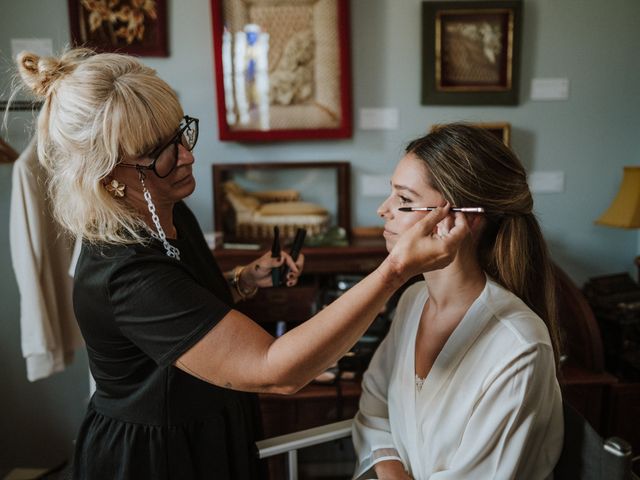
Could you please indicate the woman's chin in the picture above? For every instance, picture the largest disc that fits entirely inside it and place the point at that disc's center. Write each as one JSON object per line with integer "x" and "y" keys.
{"x": 389, "y": 244}
{"x": 187, "y": 187}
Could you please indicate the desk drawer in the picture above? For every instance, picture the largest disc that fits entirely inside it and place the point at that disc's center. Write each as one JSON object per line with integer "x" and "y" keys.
{"x": 270, "y": 305}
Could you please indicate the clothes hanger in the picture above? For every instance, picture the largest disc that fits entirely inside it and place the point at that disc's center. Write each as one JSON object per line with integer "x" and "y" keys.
{"x": 7, "y": 153}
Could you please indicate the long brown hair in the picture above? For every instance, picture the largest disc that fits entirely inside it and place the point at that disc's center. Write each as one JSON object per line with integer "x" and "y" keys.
{"x": 468, "y": 165}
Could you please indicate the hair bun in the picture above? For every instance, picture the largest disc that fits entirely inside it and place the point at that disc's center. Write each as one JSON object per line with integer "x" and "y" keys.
{"x": 39, "y": 73}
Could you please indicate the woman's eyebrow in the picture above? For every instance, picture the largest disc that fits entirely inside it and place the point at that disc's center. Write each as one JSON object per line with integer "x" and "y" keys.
{"x": 405, "y": 188}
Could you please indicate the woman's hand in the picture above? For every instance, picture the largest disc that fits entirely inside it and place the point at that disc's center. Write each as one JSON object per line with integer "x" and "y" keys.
{"x": 391, "y": 470}
{"x": 258, "y": 272}
{"x": 427, "y": 246}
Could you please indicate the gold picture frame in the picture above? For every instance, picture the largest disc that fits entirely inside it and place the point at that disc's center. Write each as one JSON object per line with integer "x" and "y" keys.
{"x": 502, "y": 130}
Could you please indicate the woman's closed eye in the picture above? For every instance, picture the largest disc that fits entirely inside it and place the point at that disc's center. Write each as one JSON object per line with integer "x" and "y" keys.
{"x": 404, "y": 200}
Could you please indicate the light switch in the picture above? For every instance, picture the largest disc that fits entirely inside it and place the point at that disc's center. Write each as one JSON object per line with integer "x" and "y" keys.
{"x": 549, "y": 89}
{"x": 379, "y": 119}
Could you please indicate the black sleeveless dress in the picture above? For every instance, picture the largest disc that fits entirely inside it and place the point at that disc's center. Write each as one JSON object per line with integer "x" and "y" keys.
{"x": 139, "y": 311}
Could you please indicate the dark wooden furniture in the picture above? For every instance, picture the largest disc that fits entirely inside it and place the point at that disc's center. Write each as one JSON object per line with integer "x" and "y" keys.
{"x": 583, "y": 377}
{"x": 322, "y": 264}
{"x": 316, "y": 404}
{"x": 622, "y": 414}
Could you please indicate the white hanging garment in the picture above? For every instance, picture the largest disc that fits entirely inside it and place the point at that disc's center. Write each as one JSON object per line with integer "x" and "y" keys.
{"x": 41, "y": 253}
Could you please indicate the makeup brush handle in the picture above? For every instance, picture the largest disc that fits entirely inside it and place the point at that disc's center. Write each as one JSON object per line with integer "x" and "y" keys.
{"x": 295, "y": 252}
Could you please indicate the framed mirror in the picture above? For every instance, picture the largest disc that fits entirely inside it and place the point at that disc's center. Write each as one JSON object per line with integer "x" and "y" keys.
{"x": 251, "y": 198}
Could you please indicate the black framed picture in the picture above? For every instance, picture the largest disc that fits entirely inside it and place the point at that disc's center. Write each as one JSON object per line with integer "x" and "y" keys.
{"x": 471, "y": 52}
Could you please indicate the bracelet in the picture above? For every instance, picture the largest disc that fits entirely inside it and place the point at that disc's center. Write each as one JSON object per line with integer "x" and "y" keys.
{"x": 235, "y": 282}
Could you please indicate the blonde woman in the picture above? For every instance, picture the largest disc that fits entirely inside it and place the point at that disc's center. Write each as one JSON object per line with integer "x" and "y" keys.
{"x": 173, "y": 361}
{"x": 464, "y": 385}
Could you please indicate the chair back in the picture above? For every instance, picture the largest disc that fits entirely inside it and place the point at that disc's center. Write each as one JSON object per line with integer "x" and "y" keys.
{"x": 585, "y": 456}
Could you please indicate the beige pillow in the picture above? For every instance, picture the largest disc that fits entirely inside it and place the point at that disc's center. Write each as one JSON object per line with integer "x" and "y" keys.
{"x": 292, "y": 208}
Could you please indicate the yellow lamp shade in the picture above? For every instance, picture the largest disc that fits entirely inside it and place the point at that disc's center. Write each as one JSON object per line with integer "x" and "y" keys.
{"x": 624, "y": 211}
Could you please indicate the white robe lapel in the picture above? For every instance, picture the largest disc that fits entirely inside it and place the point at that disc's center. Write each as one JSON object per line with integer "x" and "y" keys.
{"x": 456, "y": 346}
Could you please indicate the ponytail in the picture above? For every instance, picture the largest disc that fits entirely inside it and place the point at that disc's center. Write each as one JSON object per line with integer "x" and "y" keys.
{"x": 518, "y": 259}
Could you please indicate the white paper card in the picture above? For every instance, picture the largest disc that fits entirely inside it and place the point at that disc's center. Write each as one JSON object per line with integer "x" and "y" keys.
{"x": 546, "y": 182}
{"x": 40, "y": 46}
{"x": 549, "y": 89}
{"x": 379, "y": 119}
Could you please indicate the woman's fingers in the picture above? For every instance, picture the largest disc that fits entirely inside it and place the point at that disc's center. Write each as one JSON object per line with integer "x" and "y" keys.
{"x": 294, "y": 273}
{"x": 445, "y": 225}
{"x": 429, "y": 246}
{"x": 290, "y": 263}
{"x": 262, "y": 267}
{"x": 431, "y": 219}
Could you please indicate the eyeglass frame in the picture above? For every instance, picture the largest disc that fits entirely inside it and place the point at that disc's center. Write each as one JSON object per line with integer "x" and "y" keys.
{"x": 175, "y": 140}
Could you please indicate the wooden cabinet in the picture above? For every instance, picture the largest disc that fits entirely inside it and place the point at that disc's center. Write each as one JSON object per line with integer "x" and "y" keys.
{"x": 363, "y": 255}
{"x": 322, "y": 265}
{"x": 316, "y": 404}
{"x": 623, "y": 413}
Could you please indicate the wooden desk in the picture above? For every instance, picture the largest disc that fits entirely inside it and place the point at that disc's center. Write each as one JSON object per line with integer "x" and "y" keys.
{"x": 322, "y": 266}
{"x": 362, "y": 256}
{"x": 587, "y": 392}
{"x": 314, "y": 405}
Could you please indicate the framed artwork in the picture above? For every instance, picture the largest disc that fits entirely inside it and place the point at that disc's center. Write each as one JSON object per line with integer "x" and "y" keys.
{"x": 251, "y": 198}
{"x": 282, "y": 69}
{"x": 502, "y": 130}
{"x": 471, "y": 52}
{"x": 137, "y": 27}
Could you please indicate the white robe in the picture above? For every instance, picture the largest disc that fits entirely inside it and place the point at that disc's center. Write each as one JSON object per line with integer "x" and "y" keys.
{"x": 41, "y": 253}
{"x": 490, "y": 408}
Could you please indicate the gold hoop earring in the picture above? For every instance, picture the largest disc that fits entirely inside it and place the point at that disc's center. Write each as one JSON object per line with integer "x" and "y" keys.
{"x": 115, "y": 188}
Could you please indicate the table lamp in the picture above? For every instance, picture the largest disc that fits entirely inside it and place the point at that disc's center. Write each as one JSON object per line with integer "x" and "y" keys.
{"x": 624, "y": 211}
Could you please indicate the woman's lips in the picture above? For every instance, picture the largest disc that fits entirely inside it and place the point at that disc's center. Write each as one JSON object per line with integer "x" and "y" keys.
{"x": 183, "y": 179}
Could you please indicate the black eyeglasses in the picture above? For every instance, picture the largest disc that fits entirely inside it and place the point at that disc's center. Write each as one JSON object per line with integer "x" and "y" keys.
{"x": 165, "y": 161}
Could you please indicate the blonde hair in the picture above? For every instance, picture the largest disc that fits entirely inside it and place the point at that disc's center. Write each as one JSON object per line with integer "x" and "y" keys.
{"x": 96, "y": 109}
{"x": 470, "y": 166}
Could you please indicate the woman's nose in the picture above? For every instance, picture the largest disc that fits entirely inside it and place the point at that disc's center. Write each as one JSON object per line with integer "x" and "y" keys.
{"x": 185, "y": 157}
{"x": 383, "y": 209}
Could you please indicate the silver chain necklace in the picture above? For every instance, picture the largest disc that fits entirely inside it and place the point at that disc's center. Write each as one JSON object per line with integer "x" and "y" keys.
{"x": 170, "y": 250}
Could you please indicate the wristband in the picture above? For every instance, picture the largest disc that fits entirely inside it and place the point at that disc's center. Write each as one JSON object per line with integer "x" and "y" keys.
{"x": 235, "y": 282}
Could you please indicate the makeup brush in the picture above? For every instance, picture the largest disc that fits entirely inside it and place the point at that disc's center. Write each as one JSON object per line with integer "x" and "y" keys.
{"x": 453, "y": 209}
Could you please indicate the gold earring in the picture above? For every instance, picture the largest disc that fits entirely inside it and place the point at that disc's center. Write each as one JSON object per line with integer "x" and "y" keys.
{"x": 115, "y": 188}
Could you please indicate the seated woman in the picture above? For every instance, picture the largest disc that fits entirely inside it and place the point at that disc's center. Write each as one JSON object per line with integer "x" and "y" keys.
{"x": 464, "y": 385}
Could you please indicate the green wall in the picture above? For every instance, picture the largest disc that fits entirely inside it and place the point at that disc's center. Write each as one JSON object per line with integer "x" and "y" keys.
{"x": 589, "y": 137}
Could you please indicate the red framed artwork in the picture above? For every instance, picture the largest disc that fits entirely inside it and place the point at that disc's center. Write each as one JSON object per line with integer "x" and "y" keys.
{"x": 282, "y": 69}
{"x": 137, "y": 27}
